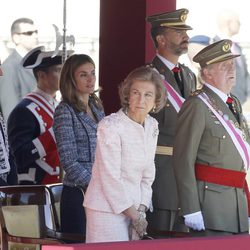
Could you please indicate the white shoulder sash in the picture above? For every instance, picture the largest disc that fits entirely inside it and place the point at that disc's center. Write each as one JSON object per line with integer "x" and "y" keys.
{"x": 236, "y": 134}
{"x": 173, "y": 96}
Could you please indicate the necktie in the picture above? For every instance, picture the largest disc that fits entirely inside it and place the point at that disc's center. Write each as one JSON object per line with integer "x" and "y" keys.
{"x": 177, "y": 77}
{"x": 230, "y": 101}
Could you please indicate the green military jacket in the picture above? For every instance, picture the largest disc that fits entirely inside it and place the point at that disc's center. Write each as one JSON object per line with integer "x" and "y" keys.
{"x": 201, "y": 138}
{"x": 164, "y": 186}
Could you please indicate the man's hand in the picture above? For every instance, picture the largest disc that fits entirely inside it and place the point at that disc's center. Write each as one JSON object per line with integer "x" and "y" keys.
{"x": 195, "y": 221}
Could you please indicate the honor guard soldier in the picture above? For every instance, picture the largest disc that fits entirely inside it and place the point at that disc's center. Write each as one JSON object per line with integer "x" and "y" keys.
{"x": 211, "y": 150}
{"x": 31, "y": 137}
{"x": 169, "y": 34}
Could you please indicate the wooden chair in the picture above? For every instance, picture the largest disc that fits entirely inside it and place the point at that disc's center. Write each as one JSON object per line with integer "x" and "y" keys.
{"x": 26, "y": 217}
{"x": 56, "y": 192}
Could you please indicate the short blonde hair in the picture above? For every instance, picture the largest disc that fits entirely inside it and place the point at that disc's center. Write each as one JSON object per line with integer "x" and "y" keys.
{"x": 144, "y": 73}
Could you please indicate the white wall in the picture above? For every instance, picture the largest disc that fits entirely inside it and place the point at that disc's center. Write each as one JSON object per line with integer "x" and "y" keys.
{"x": 202, "y": 16}
{"x": 82, "y": 20}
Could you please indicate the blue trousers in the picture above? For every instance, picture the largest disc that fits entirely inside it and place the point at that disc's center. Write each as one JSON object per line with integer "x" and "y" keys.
{"x": 73, "y": 218}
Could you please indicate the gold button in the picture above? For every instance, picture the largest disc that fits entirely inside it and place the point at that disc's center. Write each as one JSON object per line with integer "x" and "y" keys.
{"x": 206, "y": 187}
{"x": 223, "y": 136}
{"x": 179, "y": 208}
{"x": 167, "y": 105}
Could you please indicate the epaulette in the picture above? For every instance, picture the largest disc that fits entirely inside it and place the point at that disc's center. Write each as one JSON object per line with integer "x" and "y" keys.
{"x": 151, "y": 65}
{"x": 196, "y": 92}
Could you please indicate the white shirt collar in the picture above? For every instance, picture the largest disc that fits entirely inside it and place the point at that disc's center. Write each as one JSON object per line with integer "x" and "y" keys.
{"x": 166, "y": 62}
{"x": 21, "y": 51}
{"x": 221, "y": 94}
{"x": 47, "y": 96}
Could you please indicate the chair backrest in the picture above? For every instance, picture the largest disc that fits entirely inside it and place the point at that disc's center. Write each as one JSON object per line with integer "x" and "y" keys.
{"x": 56, "y": 193}
{"x": 36, "y": 197}
{"x": 28, "y": 218}
{"x": 26, "y": 211}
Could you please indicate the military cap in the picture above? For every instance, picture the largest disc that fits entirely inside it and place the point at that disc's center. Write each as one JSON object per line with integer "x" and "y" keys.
{"x": 174, "y": 19}
{"x": 38, "y": 58}
{"x": 216, "y": 52}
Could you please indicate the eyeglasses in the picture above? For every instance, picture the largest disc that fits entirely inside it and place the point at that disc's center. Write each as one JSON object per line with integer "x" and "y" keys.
{"x": 28, "y": 33}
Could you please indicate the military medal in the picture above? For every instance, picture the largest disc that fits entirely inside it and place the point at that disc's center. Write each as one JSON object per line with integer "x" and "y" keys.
{"x": 225, "y": 117}
{"x": 220, "y": 112}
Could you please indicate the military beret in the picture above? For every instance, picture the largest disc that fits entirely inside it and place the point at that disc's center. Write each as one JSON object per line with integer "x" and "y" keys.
{"x": 174, "y": 19}
{"x": 38, "y": 58}
{"x": 216, "y": 52}
{"x": 200, "y": 39}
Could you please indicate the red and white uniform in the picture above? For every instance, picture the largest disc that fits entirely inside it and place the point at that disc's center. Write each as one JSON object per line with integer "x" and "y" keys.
{"x": 32, "y": 140}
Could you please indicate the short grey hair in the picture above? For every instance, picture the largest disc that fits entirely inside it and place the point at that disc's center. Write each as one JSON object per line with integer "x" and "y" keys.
{"x": 144, "y": 73}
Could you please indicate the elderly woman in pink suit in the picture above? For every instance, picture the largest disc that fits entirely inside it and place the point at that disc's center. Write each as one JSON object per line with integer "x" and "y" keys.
{"x": 120, "y": 191}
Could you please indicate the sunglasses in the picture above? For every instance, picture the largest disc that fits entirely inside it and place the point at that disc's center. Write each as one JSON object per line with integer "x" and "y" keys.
{"x": 28, "y": 33}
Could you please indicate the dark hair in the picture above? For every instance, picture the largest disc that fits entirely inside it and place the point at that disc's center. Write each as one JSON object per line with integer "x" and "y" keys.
{"x": 144, "y": 73}
{"x": 156, "y": 31}
{"x": 67, "y": 84}
{"x": 35, "y": 72}
{"x": 15, "y": 27}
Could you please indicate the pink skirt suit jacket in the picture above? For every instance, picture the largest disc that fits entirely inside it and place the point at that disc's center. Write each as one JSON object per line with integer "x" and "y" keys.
{"x": 122, "y": 176}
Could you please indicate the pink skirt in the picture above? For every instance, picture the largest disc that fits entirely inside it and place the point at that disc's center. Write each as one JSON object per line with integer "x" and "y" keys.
{"x": 106, "y": 227}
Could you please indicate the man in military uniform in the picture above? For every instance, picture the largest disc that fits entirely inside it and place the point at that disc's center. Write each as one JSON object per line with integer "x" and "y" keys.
{"x": 169, "y": 34}
{"x": 211, "y": 152}
{"x": 31, "y": 137}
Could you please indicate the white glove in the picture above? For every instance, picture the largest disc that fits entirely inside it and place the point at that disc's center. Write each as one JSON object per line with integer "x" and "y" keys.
{"x": 249, "y": 221}
{"x": 195, "y": 221}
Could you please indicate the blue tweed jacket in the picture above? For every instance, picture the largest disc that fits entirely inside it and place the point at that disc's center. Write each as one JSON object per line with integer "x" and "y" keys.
{"x": 75, "y": 134}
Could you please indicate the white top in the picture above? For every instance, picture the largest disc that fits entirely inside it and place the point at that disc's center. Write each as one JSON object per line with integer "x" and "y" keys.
{"x": 124, "y": 168}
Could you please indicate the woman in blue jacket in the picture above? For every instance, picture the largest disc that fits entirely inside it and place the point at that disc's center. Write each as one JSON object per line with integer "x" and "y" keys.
{"x": 75, "y": 127}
